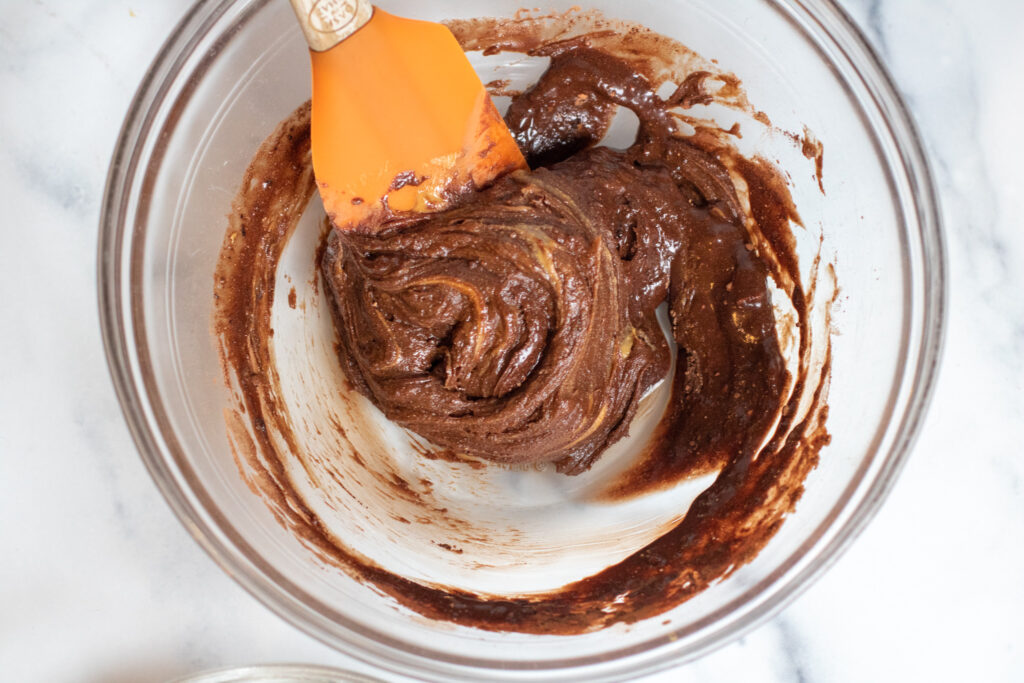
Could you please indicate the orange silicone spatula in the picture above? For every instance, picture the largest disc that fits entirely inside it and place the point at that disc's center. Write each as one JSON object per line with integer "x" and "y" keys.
{"x": 400, "y": 119}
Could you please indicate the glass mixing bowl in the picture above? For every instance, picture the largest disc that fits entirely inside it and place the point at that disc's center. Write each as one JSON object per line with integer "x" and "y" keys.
{"x": 276, "y": 673}
{"x": 234, "y": 68}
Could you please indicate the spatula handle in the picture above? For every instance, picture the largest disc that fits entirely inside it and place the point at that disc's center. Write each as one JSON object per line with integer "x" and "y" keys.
{"x": 326, "y": 23}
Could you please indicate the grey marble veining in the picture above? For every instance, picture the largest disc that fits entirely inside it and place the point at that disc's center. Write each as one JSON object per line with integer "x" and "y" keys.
{"x": 99, "y": 581}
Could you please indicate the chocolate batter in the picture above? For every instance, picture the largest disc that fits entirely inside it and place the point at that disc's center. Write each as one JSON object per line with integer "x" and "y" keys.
{"x": 520, "y": 325}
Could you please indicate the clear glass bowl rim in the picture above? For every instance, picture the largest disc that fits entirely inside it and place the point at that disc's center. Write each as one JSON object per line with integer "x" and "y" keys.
{"x": 228, "y": 549}
{"x": 264, "y": 673}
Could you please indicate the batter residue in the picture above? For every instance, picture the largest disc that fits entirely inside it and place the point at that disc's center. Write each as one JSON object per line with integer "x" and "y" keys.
{"x": 520, "y": 325}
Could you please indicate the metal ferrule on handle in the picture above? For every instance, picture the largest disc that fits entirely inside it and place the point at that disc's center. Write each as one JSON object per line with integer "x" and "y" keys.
{"x": 325, "y": 23}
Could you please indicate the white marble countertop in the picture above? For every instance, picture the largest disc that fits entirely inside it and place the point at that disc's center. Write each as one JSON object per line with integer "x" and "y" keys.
{"x": 100, "y": 582}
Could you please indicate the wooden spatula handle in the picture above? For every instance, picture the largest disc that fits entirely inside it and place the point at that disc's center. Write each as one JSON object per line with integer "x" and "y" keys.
{"x": 326, "y": 23}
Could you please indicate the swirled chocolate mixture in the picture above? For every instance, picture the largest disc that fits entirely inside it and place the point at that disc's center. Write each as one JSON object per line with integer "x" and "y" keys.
{"x": 520, "y": 325}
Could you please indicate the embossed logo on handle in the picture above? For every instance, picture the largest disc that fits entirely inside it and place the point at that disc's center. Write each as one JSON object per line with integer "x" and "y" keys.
{"x": 332, "y": 16}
